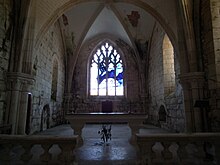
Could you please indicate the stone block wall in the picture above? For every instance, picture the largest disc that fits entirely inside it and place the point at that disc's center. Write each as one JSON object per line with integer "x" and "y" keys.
{"x": 164, "y": 87}
{"x": 5, "y": 9}
{"x": 175, "y": 111}
{"x": 210, "y": 36}
{"x": 215, "y": 15}
{"x": 155, "y": 74}
{"x": 168, "y": 66}
{"x": 211, "y": 49}
{"x": 49, "y": 53}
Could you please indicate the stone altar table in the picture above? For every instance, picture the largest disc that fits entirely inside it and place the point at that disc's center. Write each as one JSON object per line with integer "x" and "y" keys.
{"x": 78, "y": 120}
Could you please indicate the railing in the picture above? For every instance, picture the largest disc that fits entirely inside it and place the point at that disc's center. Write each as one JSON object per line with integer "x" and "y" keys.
{"x": 195, "y": 148}
{"x": 35, "y": 149}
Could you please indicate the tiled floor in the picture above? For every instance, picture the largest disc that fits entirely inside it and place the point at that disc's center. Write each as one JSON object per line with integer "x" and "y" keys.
{"x": 117, "y": 151}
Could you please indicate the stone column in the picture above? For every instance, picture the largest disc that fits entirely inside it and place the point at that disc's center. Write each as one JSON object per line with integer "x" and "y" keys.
{"x": 19, "y": 86}
{"x": 12, "y": 109}
{"x": 67, "y": 98}
{"x": 189, "y": 124}
{"x": 22, "y": 115}
{"x": 193, "y": 86}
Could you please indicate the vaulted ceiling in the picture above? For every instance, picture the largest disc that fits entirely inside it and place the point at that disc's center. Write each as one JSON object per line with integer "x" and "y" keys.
{"x": 125, "y": 21}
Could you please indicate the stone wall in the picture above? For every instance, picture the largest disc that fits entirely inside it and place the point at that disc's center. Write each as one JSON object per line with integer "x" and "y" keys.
{"x": 215, "y": 17}
{"x": 49, "y": 54}
{"x": 210, "y": 36}
{"x": 172, "y": 101}
{"x": 155, "y": 74}
{"x": 5, "y": 8}
{"x": 168, "y": 66}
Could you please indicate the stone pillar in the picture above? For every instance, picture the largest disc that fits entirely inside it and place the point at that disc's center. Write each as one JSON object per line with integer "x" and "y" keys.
{"x": 189, "y": 125}
{"x": 215, "y": 15}
{"x": 13, "y": 103}
{"x": 22, "y": 115}
{"x": 193, "y": 86}
{"x": 18, "y": 87}
{"x": 197, "y": 94}
{"x": 67, "y": 98}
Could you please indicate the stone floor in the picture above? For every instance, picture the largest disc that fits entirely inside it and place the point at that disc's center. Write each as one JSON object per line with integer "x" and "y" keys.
{"x": 117, "y": 151}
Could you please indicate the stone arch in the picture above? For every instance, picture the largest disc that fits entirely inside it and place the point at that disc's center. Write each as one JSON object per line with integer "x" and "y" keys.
{"x": 124, "y": 50}
{"x": 82, "y": 66}
{"x": 99, "y": 40}
{"x": 186, "y": 52}
{"x": 59, "y": 11}
{"x": 146, "y": 7}
{"x": 93, "y": 51}
{"x": 90, "y": 46}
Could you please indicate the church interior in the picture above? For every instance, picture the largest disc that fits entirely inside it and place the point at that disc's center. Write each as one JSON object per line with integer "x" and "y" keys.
{"x": 147, "y": 63}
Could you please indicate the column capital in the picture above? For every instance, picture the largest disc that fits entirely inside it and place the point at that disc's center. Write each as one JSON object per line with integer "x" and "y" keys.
{"x": 192, "y": 78}
{"x": 191, "y": 75}
{"x": 19, "y": 81}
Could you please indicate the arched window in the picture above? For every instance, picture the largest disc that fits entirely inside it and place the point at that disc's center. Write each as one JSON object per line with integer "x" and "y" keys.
{"x": 106, "y": 72}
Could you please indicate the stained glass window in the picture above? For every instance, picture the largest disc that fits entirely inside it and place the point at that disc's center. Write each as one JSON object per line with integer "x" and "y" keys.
{"x": 106, "y": 72}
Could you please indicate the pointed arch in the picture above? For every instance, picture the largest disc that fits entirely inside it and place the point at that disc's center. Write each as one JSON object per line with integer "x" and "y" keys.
{"x": 59, "y": 11}
{"x": 66, "y": 6}
{"x": 106, "y": 70}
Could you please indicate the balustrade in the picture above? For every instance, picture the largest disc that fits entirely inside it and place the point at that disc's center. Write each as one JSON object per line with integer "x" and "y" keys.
{"x": 18, "y": 149}
{"x": 182, "y": 148}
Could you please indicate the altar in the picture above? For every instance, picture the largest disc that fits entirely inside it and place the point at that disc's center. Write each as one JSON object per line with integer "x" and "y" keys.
{"x": 78, "y": 120}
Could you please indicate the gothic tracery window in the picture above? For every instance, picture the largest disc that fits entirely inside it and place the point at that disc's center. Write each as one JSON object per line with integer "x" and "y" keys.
{"x": 106, "y": 72}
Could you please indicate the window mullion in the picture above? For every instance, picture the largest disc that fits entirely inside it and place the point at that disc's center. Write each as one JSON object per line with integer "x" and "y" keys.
{"x": 98, "y": 74}
{"x": 106, "y": 61}
{"x": 115, "y": 73}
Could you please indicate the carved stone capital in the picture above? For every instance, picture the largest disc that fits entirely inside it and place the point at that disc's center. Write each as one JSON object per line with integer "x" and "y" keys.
{"x": 192, "y": 79}
{"x": 19, "y": 81}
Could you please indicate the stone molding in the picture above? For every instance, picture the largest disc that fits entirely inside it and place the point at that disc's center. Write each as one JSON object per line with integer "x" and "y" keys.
{"x": 192, "y": 78}
{"x": 191, "y": 75}
{"x": 19, "y": 81}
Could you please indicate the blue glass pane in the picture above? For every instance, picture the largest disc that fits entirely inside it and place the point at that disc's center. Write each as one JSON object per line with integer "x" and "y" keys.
{"x": 119, "y": 78}
{"x": 102, "y": 69}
